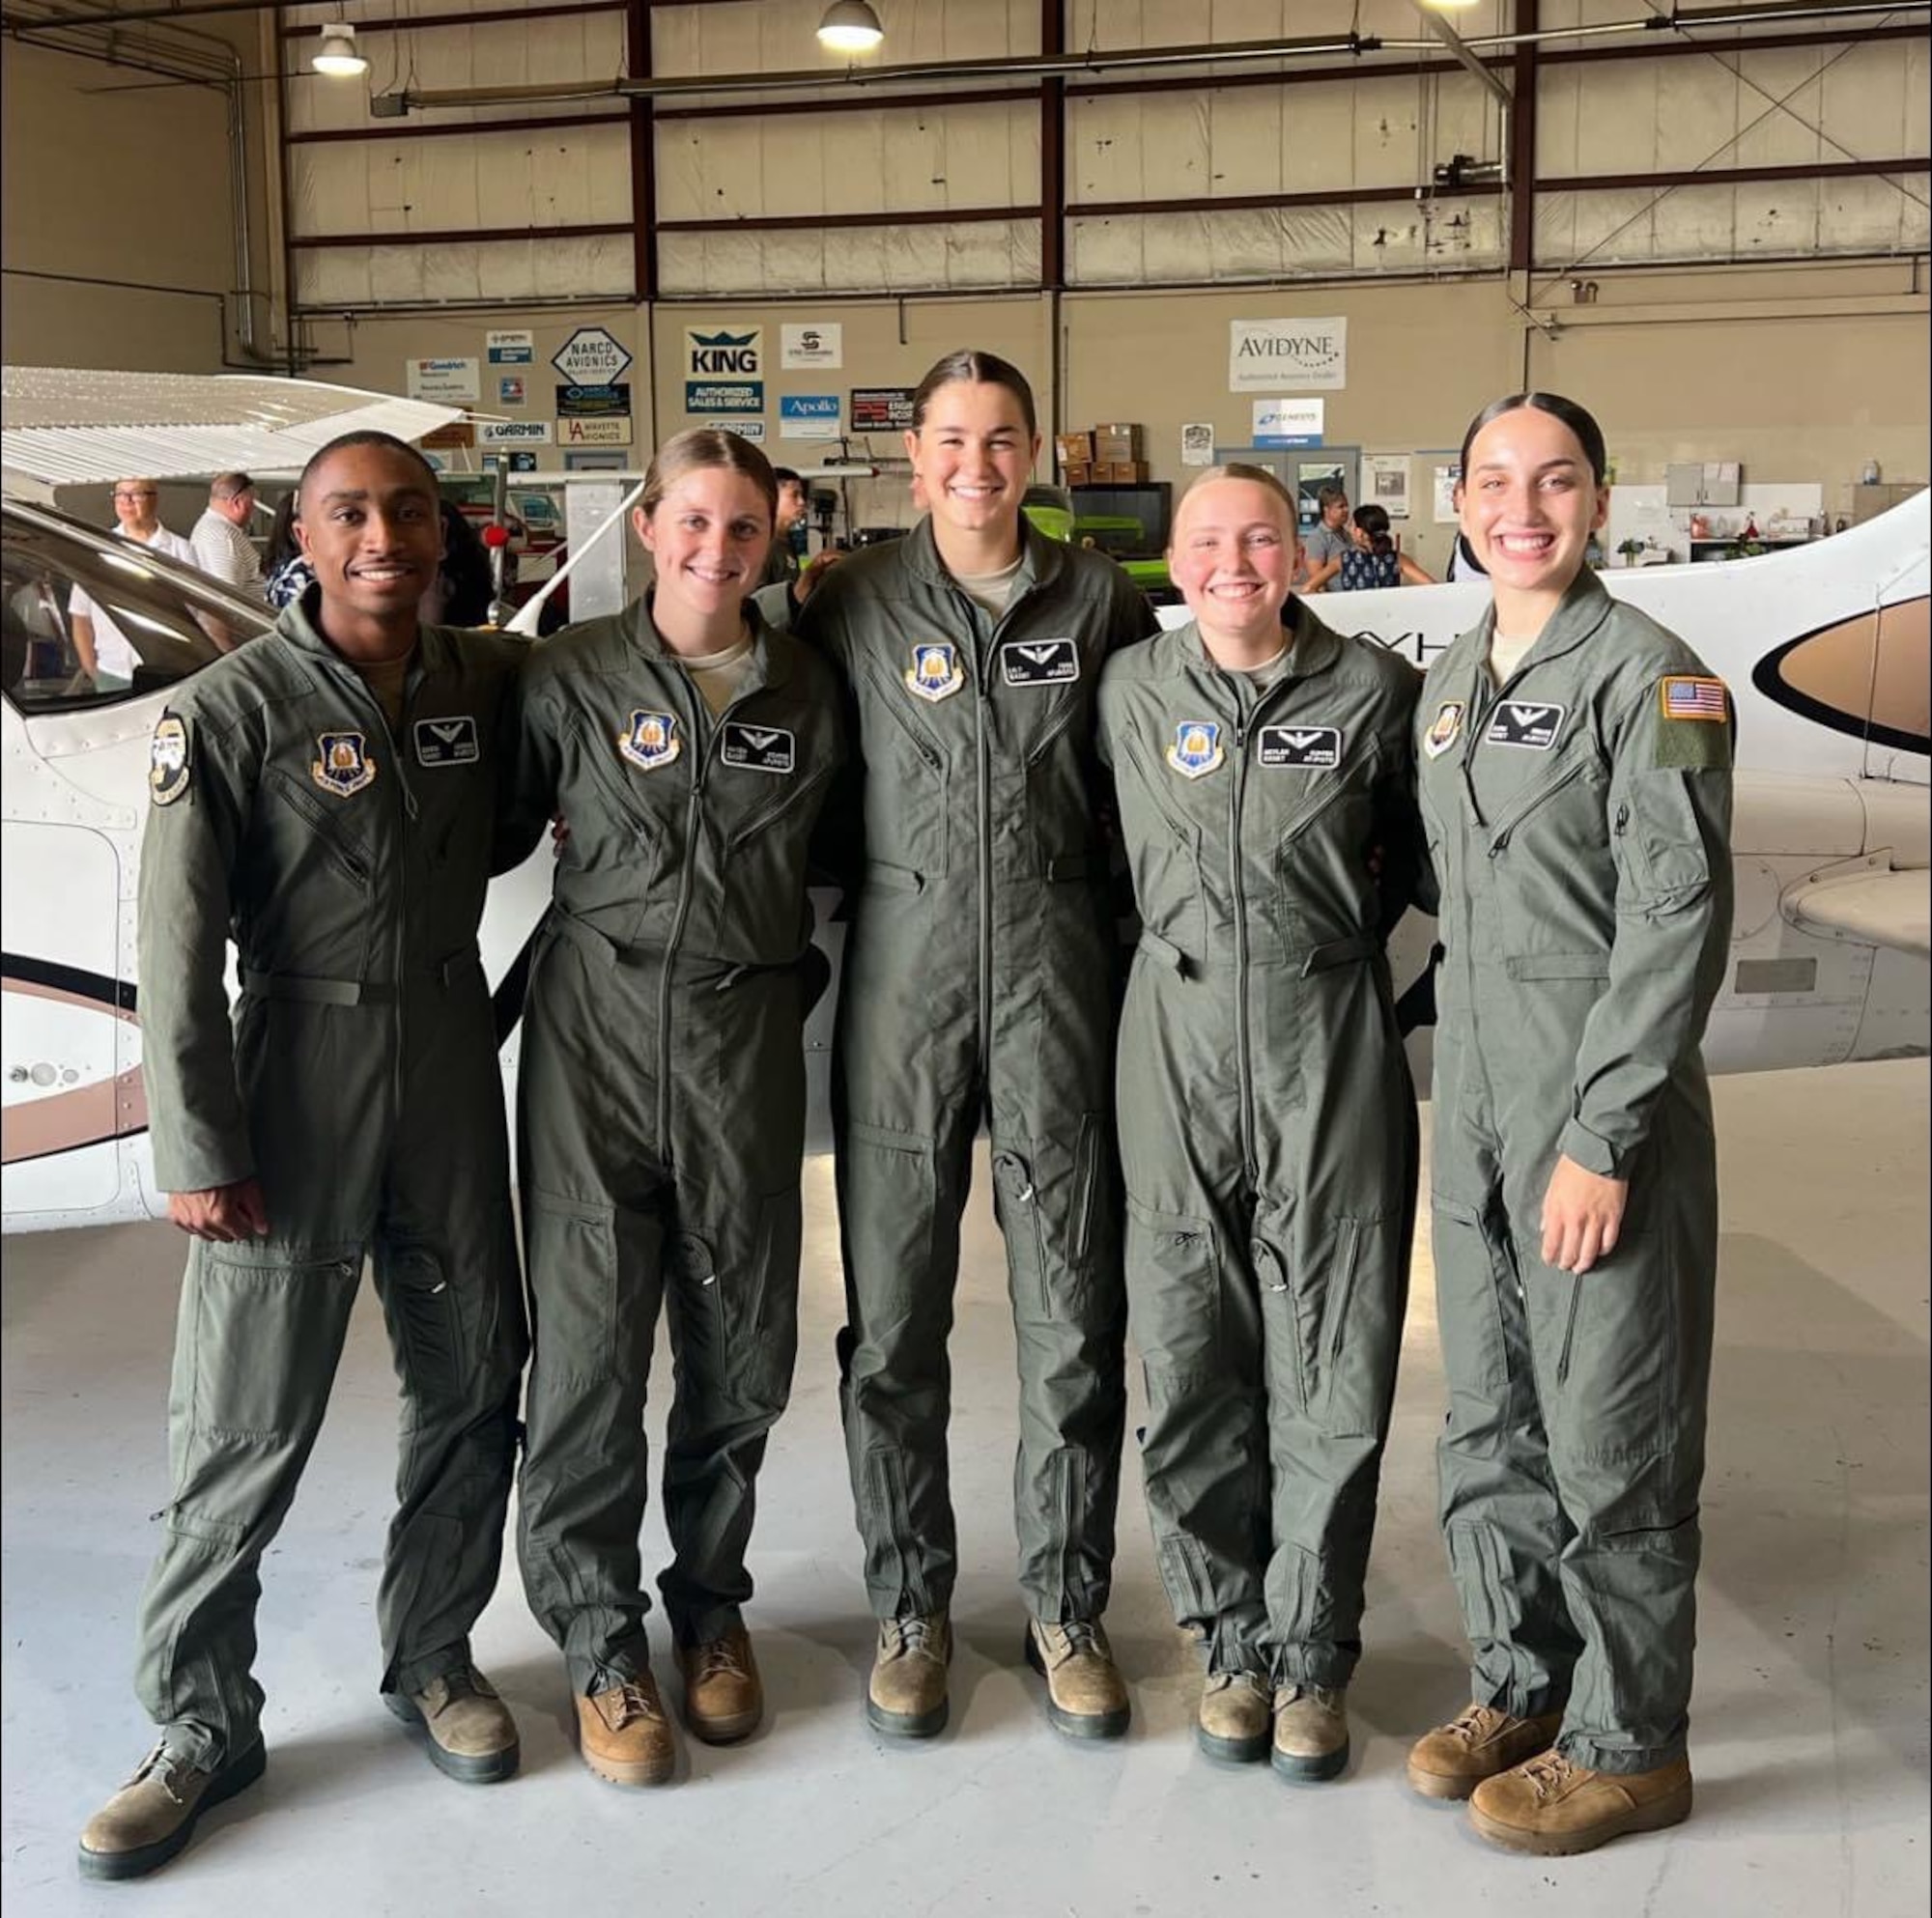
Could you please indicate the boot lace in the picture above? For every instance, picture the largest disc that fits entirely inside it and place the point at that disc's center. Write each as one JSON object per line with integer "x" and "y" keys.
{"x": 719, "y": 1659}
{"x": 1548, "y": 1772}
{"x": 910, "y": 1637}
{"x": 1474, "y": 1723}
{"x": 629, "y": 1700}
{"x": 1082, "y": 1635}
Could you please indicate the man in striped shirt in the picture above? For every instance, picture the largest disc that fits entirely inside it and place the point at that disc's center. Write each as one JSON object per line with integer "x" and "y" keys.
{"x": 220, "y": 537}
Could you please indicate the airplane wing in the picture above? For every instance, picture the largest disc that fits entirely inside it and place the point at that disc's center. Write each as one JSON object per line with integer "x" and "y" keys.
{"x": 65, "y": 426}
{"x": 1882, "y": 908}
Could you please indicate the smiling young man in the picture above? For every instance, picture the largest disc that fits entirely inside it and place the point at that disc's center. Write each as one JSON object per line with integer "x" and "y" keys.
{"x": 326, "y": 798}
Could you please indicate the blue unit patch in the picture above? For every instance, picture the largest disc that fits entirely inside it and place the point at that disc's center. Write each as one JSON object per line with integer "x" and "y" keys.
{"x": 651, "y": 740}
{"x": 1197, "y": 747}
{"x": 935, "y": 671}
{"x": 345, "y": 766}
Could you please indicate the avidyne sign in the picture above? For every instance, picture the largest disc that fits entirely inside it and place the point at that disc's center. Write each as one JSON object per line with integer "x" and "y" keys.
{"x": 1282, "y": 355}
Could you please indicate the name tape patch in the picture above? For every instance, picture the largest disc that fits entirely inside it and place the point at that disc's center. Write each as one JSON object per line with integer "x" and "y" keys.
{"x": 1039, "y": 661}
{"x": 1300, "y": 745}
{"x": 758, "y": 748}
{"x": 1525, "y": 722}
{"x": 450, "y": 742}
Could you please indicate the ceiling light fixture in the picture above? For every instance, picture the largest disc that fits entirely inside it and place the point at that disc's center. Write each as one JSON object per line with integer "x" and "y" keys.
{"x": 1445, "y": 5}
{"x": 337, "y": 56}
{"x": 850, "y": 26}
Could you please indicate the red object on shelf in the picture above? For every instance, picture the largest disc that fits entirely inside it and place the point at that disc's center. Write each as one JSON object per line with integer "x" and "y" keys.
{"x": 494, "y": 535}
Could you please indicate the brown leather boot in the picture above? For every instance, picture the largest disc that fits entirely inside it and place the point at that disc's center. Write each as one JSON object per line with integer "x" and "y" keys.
{"x": 469, "y": 1732}
{"x": 1552, "y": 1808}
{"x": 907, "y": 1695}
{"x": 1311, "y": 1732}
{"x": 724, "y": 1699}
{"x": 624, "y": 1735}
{"x": 1232, "y": 1722}
{"x": 152, "y": 1817}
{"x": 1478, "y": 1742}
{"x": 1086, "y": 1697}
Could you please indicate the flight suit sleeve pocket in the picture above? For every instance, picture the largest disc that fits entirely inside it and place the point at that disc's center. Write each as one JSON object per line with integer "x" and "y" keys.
{"x": 1173, "y": 1291}
{"x": 1657, "y": 828}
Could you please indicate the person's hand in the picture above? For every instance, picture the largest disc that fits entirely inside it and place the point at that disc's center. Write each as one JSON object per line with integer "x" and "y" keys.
{"x": 559, "y": 833}
{"x": 813, "y": 570}
{"x": 223, "y": 1213}
{"x": 1582, "y": 1215}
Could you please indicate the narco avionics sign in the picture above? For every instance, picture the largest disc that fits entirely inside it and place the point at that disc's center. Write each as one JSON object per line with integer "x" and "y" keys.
{"x": 1288, "y": 355}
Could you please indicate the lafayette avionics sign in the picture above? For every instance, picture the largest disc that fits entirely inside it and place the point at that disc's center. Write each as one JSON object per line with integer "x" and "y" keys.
{"x": 1288, "y": 355}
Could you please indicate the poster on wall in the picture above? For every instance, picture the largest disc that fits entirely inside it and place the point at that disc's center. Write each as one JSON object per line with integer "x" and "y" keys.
{"x": 1386, "y": 483}
{"x": 1197, "y": 444}
{"x": 1288, "y": 355}
{"x": 1445, "y": 478}
{"x": 513, "y": 432}
{"x": 610, "y": 402}
{"x": 882, "y": 408}
{"x": 511, "y": 391}
{"x": 593, "y": 432}
{"x": 511, "y": 349}
{"x": 720, "y": 354}
{"x": 820, "y": 344}
{"x": 808, "y": 416}
{"x": 1290, "y": 422}
{"x": 592, "y": 357}
{"x": 723, "y": 396}
{"x": 445, "y": 381}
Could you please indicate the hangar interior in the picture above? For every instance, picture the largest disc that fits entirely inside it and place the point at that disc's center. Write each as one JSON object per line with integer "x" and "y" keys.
{"x": 1712, "y": 230}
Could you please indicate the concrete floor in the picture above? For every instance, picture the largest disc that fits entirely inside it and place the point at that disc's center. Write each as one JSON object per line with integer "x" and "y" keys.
{"x": 1810, "y": 1739}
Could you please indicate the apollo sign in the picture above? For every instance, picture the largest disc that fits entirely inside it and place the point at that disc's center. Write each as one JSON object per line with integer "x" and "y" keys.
{"x": 1288, "y": 355}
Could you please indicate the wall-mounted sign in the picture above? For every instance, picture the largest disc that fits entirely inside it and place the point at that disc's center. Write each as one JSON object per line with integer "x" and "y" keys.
{"x": 808, "y": 416}
{"x": 1288, "y": 422}
{"x": 513, "y": 432}
{"x": 745, "y": 428}
{"x": 1197, "y": 443}
{"x": 592, "y": 357}
{"x": 812, "y": 346}
{"x": 723, "y": 396}
{"x": 717, "y": 352}
{"x": 446, "y": 381}
{"x": 511, "y": 391}
{"x": 522, "y": 462}
{"x": 1288, "y": 355}
{"x": 458, "y": 433}
{"x": 882, "y": 408}
{"x": 593, "y": 432}
{"x": 511, "y": 349}
{"x": 1386, "y": 483}
{"x": 612, "y": 402}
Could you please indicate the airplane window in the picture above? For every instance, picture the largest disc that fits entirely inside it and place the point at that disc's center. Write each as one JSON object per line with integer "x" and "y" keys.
{"x": 84, "y": 627}
{"x": 1865, "y": 675}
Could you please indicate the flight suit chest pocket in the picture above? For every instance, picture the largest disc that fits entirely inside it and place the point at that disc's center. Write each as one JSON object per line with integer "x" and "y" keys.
{"x": 908, "y": 765}
{"x": 327, "y": 826}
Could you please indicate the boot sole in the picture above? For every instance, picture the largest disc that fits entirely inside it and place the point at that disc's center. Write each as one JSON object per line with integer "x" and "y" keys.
{"x": 142, "y": 1859}
{"x": 1077, "y": 1723}
{"x": 1310, "y": 1770}
{"x": 466, "y": 1767}
{"x": 1671, "y": 1809}
{"x": 1444, "y": 1787}
{"x": 732, "y": 1731}
{"x": 907, "y": 1724}
{"x": 621, "y": 1771}
{"x": 1233, "y": 1751}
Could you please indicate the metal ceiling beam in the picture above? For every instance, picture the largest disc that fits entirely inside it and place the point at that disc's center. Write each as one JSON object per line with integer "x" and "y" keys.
{"x": 1491, "y": 80}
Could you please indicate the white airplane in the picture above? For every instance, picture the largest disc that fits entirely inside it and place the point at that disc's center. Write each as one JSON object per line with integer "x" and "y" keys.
{"x": 1825, "y": 649}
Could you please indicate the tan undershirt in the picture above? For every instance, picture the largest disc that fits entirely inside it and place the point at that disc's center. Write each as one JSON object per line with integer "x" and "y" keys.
{"x": 719, "y": 677}
{"x": 994, "y": 591}
{"x": 387, "y": 680}
{"x": 1506, "y": 655}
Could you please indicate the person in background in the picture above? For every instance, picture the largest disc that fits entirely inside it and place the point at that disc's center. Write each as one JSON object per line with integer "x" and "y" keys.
{"x": 220, "y": 538}
{"x": 660, "y": 1100}
{"x": 107, "y": 657}
{"x": 1463, "y": 561}
{"x": 977, "y": 987}
{"x": 1267, "y": 1124}
{"x": 1328, "y": 538}
{"x": 786, "y": 585}
{"x": 781, "y": 562}
{"x": 289, "y": 574}
{"x": 1372, "y": 560}
{"x": 323, "y": 800}
{"x": 1575, "y": 775}
{"x": 462, "y": 590}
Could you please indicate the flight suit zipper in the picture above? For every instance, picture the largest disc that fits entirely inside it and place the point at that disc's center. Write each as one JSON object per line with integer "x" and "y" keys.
{"x": 1245, "y": 1073}
{"x": 693, "y": 826}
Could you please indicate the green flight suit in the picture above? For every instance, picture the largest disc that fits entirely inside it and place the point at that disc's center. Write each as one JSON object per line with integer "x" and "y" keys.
{"x": 358, "y": 1083}
{"x": 660, "y": 1114}
{"x": 1267, "y": 1124}
{"x": 1579, "y": 820}
{"x": 978, "y": 983}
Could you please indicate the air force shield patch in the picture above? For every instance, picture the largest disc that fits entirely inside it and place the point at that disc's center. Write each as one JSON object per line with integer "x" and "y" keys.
{"x": 1444, "y": 730}
{"x": 935, "y": 672}
{"x": 345, "y": 766}
{"x": 1196, "y": 750}
{"x": 169, "y": 768}
{"x": 651, "y": 740}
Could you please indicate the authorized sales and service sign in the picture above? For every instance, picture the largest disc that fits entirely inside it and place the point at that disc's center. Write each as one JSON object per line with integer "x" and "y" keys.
{"x": 723, "y": 396}
{"x": 1288, "y": 355}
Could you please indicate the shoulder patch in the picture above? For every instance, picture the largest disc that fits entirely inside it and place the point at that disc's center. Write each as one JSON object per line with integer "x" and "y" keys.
{"x": 1694, "y": 725}
{"x": 170, "y": 760}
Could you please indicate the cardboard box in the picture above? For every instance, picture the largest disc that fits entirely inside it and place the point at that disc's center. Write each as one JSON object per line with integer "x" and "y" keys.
{"x": 1075, "y": 449}
{"x": 1119, "y": 472}
{"x": 1076, "y": 473}
{"x": 1118, "y": 442}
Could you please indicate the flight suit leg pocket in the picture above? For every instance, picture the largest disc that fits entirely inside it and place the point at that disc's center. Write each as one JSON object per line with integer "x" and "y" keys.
{"x": 1617, "y": 1344}
{"x": 887, "y": 1197}
{"x": 1474, "y": 1270}
{"x": 1174, "y": 1288}
{"x": 266, "y": 1333}
{"x": 430, "y": 1344}
{"x": 1017, "y": 1205}
{"x": 1367, "y": 1286}
{"x": 571, "y": 1251}
{"x": 1479, "y": 1565}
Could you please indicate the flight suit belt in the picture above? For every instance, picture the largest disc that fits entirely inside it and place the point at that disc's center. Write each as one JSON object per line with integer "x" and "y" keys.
{"x": 688, "y": 968}
{"x": 310, "y": 991}
{"x": 1307, "y": 961}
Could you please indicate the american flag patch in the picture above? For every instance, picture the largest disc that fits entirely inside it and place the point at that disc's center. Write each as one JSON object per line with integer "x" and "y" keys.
{"x": 1688, "y": 698}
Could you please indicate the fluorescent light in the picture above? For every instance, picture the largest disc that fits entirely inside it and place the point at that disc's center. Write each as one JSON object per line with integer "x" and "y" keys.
{"x": 850, "y": 26}
{"x": 337, "y": 56}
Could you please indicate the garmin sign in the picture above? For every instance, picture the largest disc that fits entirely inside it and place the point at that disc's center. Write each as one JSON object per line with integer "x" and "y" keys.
{"x": 1288, "y": 355}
